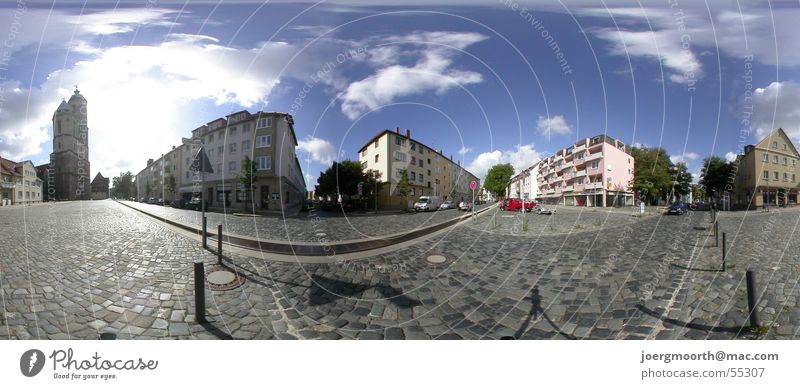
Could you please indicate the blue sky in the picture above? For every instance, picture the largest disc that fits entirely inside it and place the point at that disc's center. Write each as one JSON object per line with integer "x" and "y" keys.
{"x": 486, "y": 81}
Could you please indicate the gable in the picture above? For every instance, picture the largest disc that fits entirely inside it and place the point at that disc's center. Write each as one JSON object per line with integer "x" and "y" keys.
{"x": 781, "y": 138}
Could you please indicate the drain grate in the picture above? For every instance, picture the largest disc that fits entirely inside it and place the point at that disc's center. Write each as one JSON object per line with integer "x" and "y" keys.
{"x": 223, "y": 278}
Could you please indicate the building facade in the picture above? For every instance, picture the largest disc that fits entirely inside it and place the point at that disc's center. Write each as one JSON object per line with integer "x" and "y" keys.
{"x": 100, "y": 187}
{"x": 430, "y": 172}
{"x": 524, "y": 185}
{"x": 70, "y": 158}
{"x": 19, "y": 184}
{"x": 593, "y": 172}
{"x": 267, "y": 138}
{"x": 766, "y": 173}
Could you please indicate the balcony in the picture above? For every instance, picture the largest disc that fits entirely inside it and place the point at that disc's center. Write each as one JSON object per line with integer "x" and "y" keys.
{"x": 566, "y": 166}
{"x": 593, "y": 157}
{"x": 558, "y": 179}
{"x": 568, "y": 189}
{"x": 550, "y": 191}
{"x": 593, "y": 185}
{"x": 580, "y": 173}
{"x": 578, "y": 149}
{"x": 7, "y": 185}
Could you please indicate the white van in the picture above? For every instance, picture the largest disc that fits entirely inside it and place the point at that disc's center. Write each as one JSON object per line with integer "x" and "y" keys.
{"x": 427, "y": 203}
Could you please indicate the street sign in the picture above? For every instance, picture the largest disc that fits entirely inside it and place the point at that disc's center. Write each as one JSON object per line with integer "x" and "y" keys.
{"x": 473, "y": 185}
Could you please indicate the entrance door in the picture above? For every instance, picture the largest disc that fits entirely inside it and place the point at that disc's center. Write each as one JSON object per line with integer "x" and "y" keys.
{"x": 265, "y": 197}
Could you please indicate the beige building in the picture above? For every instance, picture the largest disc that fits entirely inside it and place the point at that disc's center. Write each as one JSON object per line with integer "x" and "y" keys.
{"x": 429, "y": 171}
{"x": 268, "y": 138}
{"x": 766, "y": 173}
{"x": 19, "y": 183}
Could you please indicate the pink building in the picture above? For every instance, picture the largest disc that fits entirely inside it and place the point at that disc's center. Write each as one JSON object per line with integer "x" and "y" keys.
{"x": 593, "y": 172}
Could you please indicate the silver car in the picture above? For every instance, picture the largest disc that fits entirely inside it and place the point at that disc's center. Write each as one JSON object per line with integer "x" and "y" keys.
{"x": 541, "y": 209}
{"x": 448, "y": 204}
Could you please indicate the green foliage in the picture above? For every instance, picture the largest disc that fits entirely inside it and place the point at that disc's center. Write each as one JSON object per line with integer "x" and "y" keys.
{"x": 497, "y": 179}
{"x": 246, "y": 177}
{"x": 682, "y": 179}
{"x": 698, "y": 192}
{"x": 651, "y": 173}
{"x": 402, "y": 186}
{"x": 122, "y": 186}
{"x": 716, "y": 176}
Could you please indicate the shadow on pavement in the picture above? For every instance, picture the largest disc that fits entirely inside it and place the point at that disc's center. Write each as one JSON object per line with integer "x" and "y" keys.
{"x": 694, "y": 326}
{"x": 536, "y": 310}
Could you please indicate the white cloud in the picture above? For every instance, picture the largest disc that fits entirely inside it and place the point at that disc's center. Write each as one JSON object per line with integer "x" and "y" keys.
{"x": 520, "y": 158}
{"x": 464, "y": 150}
{"x": 318, "y": 150}
{"x": 730, "y": 156}
{"x": 777, "y": 106}
{"x": 431, "y": 73}
{"x": 554, "y": 125}
{"x": 684, "y": 158}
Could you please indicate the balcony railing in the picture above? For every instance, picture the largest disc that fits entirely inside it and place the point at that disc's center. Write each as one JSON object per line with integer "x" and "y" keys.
{"x": 593, "y": 185}
{"x": 593, "y": 157}
{"x": 579, "y": 173}
{"x": 578, "y": 149}
{"x": 567, "y": 165}
{"x": 8, "y": 185}
{"x": 567, "y": 189}
{"x": 550, "y": 191}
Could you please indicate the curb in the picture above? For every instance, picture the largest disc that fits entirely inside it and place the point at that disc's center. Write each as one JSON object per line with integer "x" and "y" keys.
{"x": 316, "y": 249}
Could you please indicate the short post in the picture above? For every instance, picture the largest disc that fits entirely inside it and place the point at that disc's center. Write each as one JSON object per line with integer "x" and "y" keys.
{"x": 205, "y": 224}
{"x": 199, "y": 292}
{"x": 716, "y": 234}
{"x": 219, "y": 243}
{"x": 724, "y": 251}
{"x": 751, "y": 298}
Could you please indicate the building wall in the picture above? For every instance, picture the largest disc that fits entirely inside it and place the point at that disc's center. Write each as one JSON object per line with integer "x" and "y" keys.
{"x": 750, "y": 183}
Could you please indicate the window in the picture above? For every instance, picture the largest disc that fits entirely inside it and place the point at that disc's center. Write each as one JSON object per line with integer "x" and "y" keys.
{"x": 263, "y": 122}
{"x": 220, "y": 151}
{"x": 245, "y": 145}
{"x": 429, "y": 172}
{"x": 595, "y": 164}
{"x": 232, "y": 131}
{"x": 187, "y": 175}
{"x": 232, "y": 147}
{"x": 413, "y": 176}
{"x": 232, "y": 166}
{"x": 421, "y": 147}
{"x": 364, "y": 153}
{"x": 219, "y": 168}
{"x": 794, "y": 163}
{"x": 580, "y": 156}
{"x": 765, "y": 157}
{"x": 376, "y": 158}
{"x": 774, "y": 159}
{"x": 398, "y": 173}
{"x": 580, "y": 181}
{"x": 413, "y": 146}
{"x": 364, "y": 165}
{"x": 246, "y": 127}
{"x": 375, "y": 144}
{"x": 413, "y": 160}
{"x": 765, "y": 175}
{"x": 263, "y": 141}
{"x": 793, "y": 177}
{"x": 211, "y": 137}
{"x": 774, "y": 145}
{"x": 785, "y": 161}
{"x": 399, "y": 141}
{"x": 263, "y": 163}
{"x": 784, "y": 146}
{"x": 775, "y": 175}
{"x": 420, "y": 177}
{"x": 398, "y": 156}
{"x": 240, "y": 196}
{"x": 785, "y": 176}
{"x": 187, "y": 160}
{"x": 420, "y": 162}
{"x": 429, "y": 161}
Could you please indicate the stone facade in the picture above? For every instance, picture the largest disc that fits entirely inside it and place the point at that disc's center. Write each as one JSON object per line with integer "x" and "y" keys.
{"x": 70, "y": 158}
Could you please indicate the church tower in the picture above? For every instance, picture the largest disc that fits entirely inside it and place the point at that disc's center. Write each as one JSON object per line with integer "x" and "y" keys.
{"x": 70, "y": 158}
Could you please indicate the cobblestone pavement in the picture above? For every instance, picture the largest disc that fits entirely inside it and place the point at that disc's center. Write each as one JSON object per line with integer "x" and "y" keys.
{"x": 75, "y": 270}
{"x": 565, "y": 220}
{"x": 312, "y": 226}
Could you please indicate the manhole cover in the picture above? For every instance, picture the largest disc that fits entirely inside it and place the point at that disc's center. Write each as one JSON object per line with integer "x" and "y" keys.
{"x": 437, "y": 260}
{"x": 222, "y": 278}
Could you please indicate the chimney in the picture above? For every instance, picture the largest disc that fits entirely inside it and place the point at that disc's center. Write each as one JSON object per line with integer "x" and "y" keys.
{"x": 397, "y": 130}
{"x": 451, "y": 157}
{"x": 173, "y": 147}
{"x": 408, "y": 133}
{"x": 149, "y": 161}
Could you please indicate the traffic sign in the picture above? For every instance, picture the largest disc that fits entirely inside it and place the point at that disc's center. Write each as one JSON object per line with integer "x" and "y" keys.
{"x": 473, "y": 185}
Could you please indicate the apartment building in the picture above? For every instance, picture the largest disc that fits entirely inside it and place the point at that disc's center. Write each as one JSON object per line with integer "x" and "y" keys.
{"x": 430, "y": 172}
{"x": 268, "y": 138}
{"x": 19, "y": 183}
{"x": 524, "y": 185}
{"x": 766, "y": 173}
{"x": 593, "y": 172}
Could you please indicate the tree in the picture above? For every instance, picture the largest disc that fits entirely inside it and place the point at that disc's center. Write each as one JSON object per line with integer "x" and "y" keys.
{"x": 716, "y": 176}
{"x": 246, "y": 177}
{"x": 651, "y": 174}
{"x": 682, "y": 180}
{"x": 497, "y": 179}
{"x": 341, "y": 178}
{"x": 402, "y": 187}
{"x": 169, "y": 185}
{"x": 698, "y": 192}
{"x": 122, "y": 186}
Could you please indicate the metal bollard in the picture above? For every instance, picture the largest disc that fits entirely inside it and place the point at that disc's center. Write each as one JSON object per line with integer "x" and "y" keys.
{"x": 716, "y": 234}
{"x": 199, "y": 292}
{"x": 219, "y": 244}
{"x": 724, "y": 251}
{"x": 205, "y": 228}
{"x": 751, "y": 298}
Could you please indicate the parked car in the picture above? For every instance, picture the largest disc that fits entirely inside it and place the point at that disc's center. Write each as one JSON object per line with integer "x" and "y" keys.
{"x": 143, "y": 200}
{"x": 514, "y": 204}
{"x": 528, "y": 205}
{"x": 677, "y": 208}
{"x": 152, "y": 200}
{"x": 427, "y": 203}
{"x": 160, "y": 201}
{"x": 194, "y": 204}
{"x": 465, "y": 206}
{"x": 542, "y": 209}
{"x": 448, "y": 204}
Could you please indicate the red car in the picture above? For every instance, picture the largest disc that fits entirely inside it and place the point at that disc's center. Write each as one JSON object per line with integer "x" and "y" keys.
{"x": 515, "y": 204}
